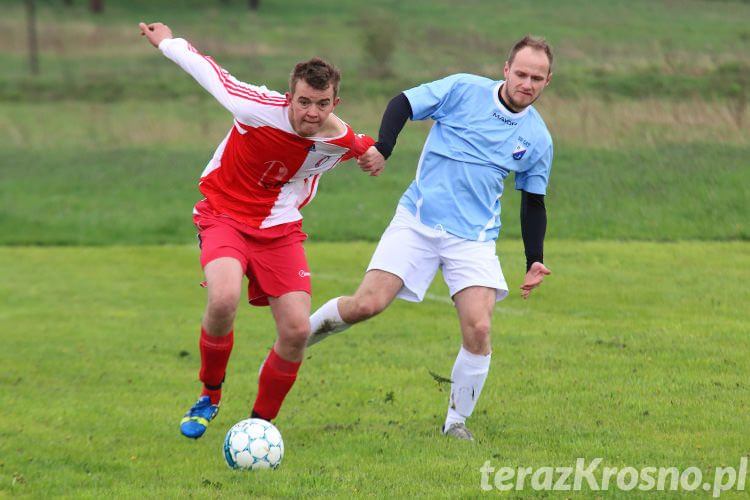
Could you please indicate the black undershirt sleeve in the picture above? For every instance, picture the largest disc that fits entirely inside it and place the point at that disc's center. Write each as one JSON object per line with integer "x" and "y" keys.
{"x": 394, "y": 118}
{"x": 533, "y": 226}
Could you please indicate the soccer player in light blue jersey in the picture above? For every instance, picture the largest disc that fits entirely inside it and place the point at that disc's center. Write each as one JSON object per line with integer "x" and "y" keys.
{"x": 449, "y": 217}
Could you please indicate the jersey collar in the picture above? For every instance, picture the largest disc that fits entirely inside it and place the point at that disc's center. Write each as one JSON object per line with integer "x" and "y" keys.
{"x": 501, "y": 107}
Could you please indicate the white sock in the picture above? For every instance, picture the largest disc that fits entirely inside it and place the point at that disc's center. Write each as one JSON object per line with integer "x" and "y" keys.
{"x": 326, "y": 321}
{"x": 469, "y": 374}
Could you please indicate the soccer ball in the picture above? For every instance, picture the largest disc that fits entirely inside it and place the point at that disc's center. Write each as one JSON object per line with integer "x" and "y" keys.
{"x": 253, "y": 444}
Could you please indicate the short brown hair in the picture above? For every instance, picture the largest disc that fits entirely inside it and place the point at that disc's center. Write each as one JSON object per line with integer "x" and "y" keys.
{"x": 316, "y": 73}
{"x": 535, "y": 43}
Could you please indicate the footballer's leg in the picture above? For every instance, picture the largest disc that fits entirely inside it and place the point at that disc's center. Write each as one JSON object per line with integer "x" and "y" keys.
{"x": 474, "y": 306}
{"x": 375, "y": 293}
{"x": 224, "y": 282}
{"x": 279, "y": 370}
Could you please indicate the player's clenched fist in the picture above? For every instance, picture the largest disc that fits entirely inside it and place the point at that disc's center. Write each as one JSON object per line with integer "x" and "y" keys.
{"x": 371, "y": 161}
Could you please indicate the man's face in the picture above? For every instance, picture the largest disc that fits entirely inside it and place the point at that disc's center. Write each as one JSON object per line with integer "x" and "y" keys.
{"x": 525, "y": 78}
{"x": 309, "y": 108}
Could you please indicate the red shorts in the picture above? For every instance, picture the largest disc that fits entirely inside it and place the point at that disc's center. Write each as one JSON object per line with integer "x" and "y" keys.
{"x": 273, "y": 258}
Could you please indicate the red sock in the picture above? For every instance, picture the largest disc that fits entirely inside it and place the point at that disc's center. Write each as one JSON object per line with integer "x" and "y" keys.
{"x": 215, "y": 353}
{"x": 276, "y": 378}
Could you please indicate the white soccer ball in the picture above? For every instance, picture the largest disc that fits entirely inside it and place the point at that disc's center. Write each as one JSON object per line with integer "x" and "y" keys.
{"x": 253, "y": 444}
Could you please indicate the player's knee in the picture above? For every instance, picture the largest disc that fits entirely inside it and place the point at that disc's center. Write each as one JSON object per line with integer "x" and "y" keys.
{"x": 481, "y": 330}
{"x": 477, "y": 337}
{"x": 222, "y": 306}
{"x": 297, "y": 326}
{"x": 301, "y": 329}
{"x": 294, "y": 333}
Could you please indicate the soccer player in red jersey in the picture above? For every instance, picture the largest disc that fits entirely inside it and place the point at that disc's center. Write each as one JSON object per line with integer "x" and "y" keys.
{"x": 266, "y": 168}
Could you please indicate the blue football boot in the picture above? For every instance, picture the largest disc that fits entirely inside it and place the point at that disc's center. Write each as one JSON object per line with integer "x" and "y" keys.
{"x": 195, "y": 421}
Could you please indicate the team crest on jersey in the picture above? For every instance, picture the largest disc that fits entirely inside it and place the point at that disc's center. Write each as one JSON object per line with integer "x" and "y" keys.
{"x": 322, "y": 161}
{"x": 521, "y": 146}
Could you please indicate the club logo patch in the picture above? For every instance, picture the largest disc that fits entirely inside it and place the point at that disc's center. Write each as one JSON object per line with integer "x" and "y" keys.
{"x": 519, "y": 151}
{"x": 521, "y": 146}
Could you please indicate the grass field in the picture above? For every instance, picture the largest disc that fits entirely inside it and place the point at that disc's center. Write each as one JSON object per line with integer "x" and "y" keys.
{"x": 651, "y": 138}
{"x": 636, "y": 353}
{"x": 635, "y": 350}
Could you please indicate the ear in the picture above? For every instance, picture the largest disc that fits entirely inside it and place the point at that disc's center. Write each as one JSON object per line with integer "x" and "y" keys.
{"x": 336, "y": 101}
{"x": 548, "y": 77}
{"x": 288, "y": 98}
{"x": 505, "y": 71}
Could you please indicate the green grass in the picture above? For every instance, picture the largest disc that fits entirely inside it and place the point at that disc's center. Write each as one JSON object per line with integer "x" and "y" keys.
{"x": 106, "y": 145}
{"x": 127, "y": 172}
{"x": 145, "y": 195}
{"x": 633, "y": 352}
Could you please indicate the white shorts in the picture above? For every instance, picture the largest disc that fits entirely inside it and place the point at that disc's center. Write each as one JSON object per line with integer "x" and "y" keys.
{"x": 414, "y": 252}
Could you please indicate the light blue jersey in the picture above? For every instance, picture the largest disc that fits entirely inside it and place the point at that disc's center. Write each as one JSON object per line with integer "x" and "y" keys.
{"x": 473, "y": 145}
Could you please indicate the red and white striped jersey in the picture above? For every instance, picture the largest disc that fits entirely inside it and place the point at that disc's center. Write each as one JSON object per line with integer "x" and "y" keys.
{"x": 263, "y": 172}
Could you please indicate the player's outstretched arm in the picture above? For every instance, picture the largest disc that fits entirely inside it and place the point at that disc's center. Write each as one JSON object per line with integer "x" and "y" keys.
{"x": 229, "y": 91}
{"x": 534, "y": 278}
{"x": 155, "y": 32}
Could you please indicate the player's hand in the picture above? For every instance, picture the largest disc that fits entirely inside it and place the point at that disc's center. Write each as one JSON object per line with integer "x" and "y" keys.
{"x": 155, "y": 32}
{"x": 534, "y": 278}
{"x": 371, "y": 161}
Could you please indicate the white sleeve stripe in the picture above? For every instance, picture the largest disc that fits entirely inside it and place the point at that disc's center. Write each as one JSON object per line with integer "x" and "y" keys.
{"x": 241, "y": 91}
{"x": 236, "y": 89}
